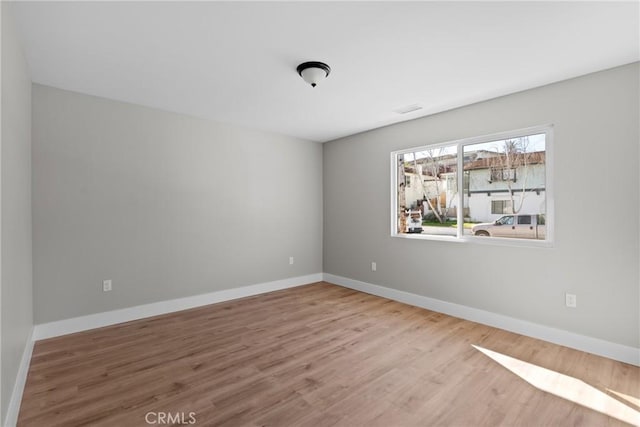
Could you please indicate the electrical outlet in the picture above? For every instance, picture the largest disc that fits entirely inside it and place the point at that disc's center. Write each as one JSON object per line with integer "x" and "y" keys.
{"x": 290, "y": 260}
{"x": 374, "y": 266}
{"x": 106, "y": 285}
{"x": 571, "y": 300}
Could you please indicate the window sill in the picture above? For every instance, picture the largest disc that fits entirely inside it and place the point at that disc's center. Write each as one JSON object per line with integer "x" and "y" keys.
{"x": 493, "y": 241}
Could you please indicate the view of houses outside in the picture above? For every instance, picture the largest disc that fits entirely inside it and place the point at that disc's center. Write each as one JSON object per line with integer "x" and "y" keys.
{"x": 505, "y": 177}
{"x": 500, "y": 178}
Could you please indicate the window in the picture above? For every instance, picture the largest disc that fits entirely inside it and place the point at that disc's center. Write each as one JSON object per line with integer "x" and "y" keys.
{"x": 524, "y": 219}
{"x": 433, "y": 196}
{"x": 500, "y": 206}
{"x": 494, "y": 188}
{"x": 505, "y": 220}
{"x": 503, "y": 174}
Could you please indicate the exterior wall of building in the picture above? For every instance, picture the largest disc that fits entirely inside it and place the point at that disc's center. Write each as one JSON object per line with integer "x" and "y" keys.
{"x": 479, "y": 205}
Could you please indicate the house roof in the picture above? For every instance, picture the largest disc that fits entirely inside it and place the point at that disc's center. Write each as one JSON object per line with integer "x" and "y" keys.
{"x": 538, "y": 157}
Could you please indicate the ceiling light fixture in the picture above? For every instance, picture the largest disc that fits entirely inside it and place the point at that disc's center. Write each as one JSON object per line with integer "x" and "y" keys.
{"x": 312, "y": 72}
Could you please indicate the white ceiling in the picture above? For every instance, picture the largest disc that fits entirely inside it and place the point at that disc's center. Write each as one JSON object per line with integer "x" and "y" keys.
{"x": 235, "y": 62}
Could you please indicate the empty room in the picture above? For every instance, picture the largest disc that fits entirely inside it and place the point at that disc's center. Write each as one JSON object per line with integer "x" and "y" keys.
{"x": 311, "y": 213}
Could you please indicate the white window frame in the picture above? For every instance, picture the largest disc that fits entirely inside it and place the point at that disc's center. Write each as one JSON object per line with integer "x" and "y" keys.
{"x": 461, "y": 143}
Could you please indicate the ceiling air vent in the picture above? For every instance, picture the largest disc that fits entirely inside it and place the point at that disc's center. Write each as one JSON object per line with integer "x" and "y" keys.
{"x": 408, "y": 109}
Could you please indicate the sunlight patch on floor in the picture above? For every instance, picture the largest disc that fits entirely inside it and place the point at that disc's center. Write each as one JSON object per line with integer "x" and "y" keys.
{"x": 631, "y": 399}
{"x": 567, "y": 387}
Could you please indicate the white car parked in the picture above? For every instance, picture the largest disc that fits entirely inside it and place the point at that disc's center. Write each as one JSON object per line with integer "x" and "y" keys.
{"x": 518, "y": 226}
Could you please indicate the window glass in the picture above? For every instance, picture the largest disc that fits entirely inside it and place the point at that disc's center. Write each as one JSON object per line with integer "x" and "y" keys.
{"x": 475, "y": 188}
{"x": 507, "y": 176}
{"x": 428, "y": 207}
{"x": 524, "y": 219}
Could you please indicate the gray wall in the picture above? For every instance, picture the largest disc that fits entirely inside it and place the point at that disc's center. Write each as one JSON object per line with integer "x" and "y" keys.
{"x": 595, "y": 256}
{"x": 16, "y": 285}
{"x": 163, "y": 204}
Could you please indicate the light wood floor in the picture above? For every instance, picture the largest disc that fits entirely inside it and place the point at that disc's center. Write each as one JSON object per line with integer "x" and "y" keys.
{"x": 316, "y": 355}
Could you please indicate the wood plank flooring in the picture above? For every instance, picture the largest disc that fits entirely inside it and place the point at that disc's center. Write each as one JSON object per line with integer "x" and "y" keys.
{"x": 316, "y": 355}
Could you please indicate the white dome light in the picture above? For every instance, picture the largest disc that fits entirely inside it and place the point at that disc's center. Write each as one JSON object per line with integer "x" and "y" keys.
{"x": 313, "y": 72}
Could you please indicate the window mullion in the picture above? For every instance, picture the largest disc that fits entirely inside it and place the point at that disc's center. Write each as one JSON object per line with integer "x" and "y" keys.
{"x": 460, "y": 185}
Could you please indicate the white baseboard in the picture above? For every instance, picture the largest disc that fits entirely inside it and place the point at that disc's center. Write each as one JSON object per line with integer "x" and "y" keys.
{"x": 107, "y": 318}
{"x": 596, "y": 346}
{"x": 11, "y": 419}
